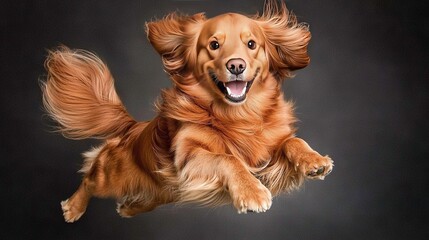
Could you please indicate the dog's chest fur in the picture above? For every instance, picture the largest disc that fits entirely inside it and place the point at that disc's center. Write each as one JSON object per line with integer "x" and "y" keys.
{"x": 254, "y": 139}
{"x": 250, "y": 135}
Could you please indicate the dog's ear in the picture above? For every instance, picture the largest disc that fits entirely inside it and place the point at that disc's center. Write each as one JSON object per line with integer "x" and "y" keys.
{"x": 286, "y": 40}
{"x": 174, "y": 37}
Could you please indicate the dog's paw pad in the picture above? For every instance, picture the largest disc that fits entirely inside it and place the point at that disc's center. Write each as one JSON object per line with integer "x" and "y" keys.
{"x": 316, "y": 172}
{"x": 314, "y": 166}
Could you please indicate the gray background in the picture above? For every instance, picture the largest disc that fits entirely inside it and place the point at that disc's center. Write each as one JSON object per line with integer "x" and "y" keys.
{"x": 363, "y": 100}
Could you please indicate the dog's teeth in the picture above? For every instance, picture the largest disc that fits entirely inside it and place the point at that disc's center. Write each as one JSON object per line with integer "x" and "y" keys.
{"x": 228, "y": 90}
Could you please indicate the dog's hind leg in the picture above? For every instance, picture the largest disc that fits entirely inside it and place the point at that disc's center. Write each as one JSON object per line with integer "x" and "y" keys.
{"x": 75, "y": 206}
{"x": 131, "y": 209}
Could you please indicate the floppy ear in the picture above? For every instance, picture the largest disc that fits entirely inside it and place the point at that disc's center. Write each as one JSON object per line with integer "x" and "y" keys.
{"x": 286, "y": 40}
{"x": 174, "y": 37}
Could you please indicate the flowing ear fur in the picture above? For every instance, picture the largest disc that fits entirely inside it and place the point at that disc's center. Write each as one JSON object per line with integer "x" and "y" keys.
{"x": 286, "y": 40}
{"x": 174, "y": 37}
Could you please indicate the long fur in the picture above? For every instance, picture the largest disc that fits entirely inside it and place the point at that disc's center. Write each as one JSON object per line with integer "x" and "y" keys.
{"x": 200, "y": 147}
{"x": 79, "y": 94}
{"x": 287, "y": 50}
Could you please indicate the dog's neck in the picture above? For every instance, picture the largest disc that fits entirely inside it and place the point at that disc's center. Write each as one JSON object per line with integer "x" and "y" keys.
{"x": 187, "y": 104}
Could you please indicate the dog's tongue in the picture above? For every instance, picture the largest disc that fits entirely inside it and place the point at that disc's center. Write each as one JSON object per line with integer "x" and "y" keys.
{"x": 236, "y": 87}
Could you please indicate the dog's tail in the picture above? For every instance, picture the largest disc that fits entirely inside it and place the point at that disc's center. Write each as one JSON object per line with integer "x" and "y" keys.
{"x": 79, "y": 94}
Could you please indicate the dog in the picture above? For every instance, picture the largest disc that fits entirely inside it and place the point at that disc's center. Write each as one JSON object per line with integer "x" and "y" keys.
{"x": 223, "y": 132}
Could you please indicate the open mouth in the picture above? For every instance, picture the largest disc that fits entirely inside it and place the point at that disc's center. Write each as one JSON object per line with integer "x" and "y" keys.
{"x": 234, "y": 91}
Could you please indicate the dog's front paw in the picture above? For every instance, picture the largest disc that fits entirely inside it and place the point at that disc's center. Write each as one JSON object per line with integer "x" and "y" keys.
{"x": 315, "y": 166}
{"x": 250, "y": 196}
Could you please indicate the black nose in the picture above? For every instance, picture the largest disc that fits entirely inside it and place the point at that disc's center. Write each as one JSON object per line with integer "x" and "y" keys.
{"x": 236, "y": 66}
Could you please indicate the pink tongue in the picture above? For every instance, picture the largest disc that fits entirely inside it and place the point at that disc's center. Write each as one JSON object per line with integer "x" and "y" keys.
{"x": 236, "y": 87}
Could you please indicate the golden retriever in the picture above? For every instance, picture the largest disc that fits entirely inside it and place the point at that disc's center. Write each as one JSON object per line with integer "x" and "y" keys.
{"x": 223, "y": 132}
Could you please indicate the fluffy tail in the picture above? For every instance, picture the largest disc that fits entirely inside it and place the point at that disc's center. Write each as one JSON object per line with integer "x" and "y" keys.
{"x": 79, "y": 94}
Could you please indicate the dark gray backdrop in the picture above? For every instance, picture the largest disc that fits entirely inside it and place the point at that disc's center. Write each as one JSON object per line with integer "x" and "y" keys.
{"x": 363, "y": 100}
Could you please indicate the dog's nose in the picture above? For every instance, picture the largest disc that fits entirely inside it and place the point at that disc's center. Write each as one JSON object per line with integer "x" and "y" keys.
{"x": 236, "y": 65}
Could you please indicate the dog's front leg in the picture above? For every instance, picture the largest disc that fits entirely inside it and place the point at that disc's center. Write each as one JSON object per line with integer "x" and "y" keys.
{"x": 205, "y": 172}
{"x": 309, "y": 162}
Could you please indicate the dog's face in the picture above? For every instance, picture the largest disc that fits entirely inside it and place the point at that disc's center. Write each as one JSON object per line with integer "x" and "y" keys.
{"x": 231, "y": 55}
{"x": 228, "y": 54}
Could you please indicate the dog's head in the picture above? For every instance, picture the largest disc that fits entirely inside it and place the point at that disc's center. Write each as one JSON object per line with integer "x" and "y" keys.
{"x": 230, "y": 53}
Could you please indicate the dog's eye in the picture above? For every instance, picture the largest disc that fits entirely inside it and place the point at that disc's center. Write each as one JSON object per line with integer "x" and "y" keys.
{"x": 251, "y": 44}
{"x": 214, "y": 45}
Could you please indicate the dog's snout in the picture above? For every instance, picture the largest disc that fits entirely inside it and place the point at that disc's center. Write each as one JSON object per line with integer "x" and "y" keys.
{"x": 236, "y": 66}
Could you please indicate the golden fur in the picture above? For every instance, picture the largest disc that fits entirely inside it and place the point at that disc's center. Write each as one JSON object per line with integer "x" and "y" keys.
{"x": 206, "y": 144}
